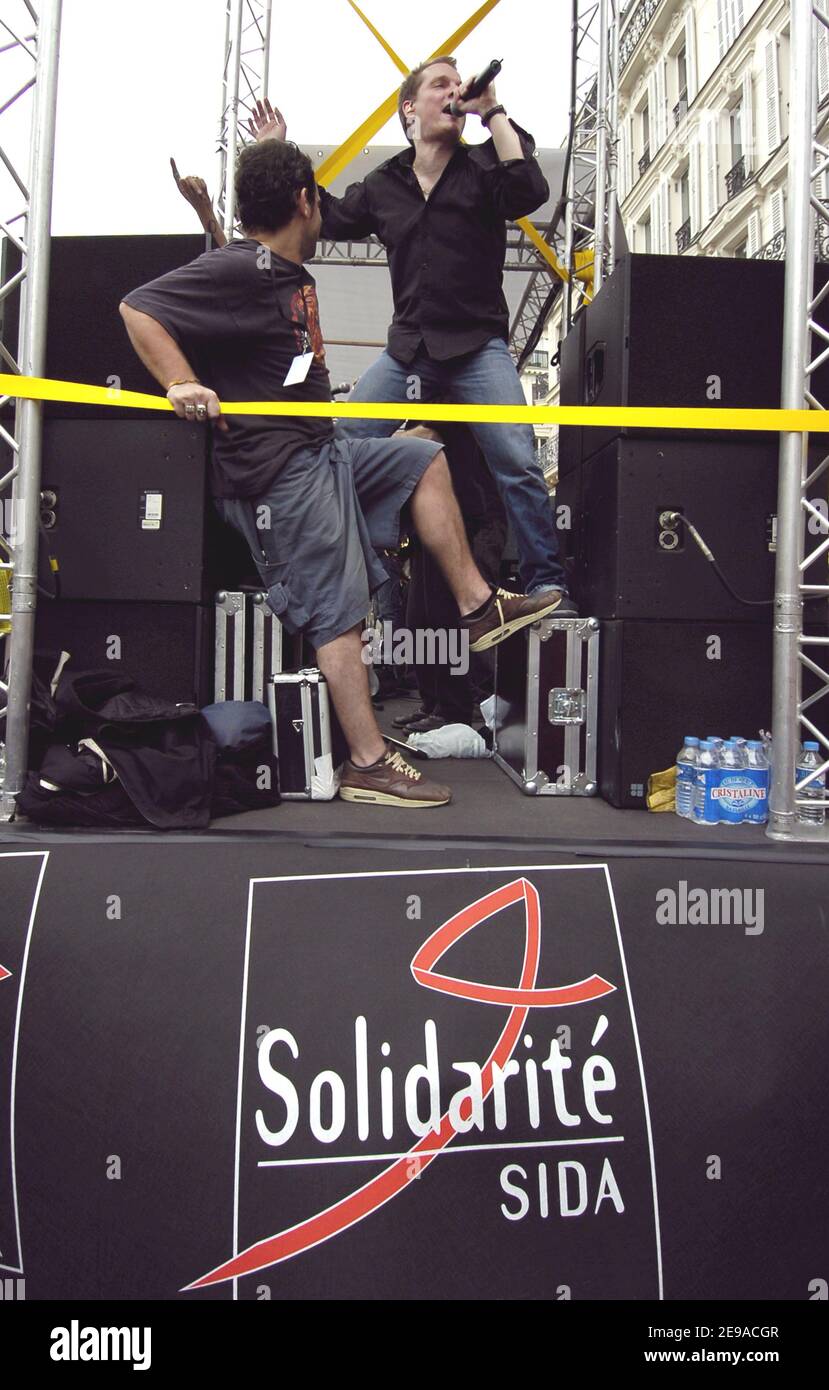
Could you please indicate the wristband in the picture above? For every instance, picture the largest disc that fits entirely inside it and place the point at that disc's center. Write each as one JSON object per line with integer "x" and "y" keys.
{"x": 185, "y": 381}
{"x": 496, "y": 110}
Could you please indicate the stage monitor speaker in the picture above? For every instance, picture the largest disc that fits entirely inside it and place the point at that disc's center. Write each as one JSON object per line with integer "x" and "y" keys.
{"x": 679, "y": 331}
{"x": 127, "y": 512}
{"x": 659, "y": 681}
{"x": 86, "y": 338}
{"x": 166, "y": 647}
{"x": 631, "y": 560}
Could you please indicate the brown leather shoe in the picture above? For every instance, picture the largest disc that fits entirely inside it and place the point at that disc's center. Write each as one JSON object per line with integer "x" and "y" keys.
{"x": 391, "y": 782}
{"x": 506, "y": 614}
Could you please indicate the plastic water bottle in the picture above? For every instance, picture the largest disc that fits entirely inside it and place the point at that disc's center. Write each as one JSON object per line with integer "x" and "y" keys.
{"x": 808, "y": 760}
{"x": 758, "y": 769}
{"x": 734, "y": 784}
{"x": 705, "y": 803}
{"x": 686, "y": 777}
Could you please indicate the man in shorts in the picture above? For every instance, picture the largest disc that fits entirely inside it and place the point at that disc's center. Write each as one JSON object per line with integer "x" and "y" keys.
{"x": 242, "y": 323}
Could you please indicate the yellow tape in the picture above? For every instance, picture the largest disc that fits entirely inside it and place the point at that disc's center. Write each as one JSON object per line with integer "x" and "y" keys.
{"x": 633, "y": 416}
{"x": 359, "y": 138}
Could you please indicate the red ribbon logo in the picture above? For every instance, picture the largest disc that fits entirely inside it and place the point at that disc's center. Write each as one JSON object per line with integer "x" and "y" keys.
{"x": 394, "y": 1179}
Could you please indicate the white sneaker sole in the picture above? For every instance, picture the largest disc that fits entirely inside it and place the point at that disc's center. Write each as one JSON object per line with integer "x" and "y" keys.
{"x": 383, "y": 799}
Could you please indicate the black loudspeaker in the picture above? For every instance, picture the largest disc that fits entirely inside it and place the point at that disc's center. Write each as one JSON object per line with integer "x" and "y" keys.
{"x": 128, "y": 515}
{"x": 629, "y": 559}
{"x": 678, "y": 331}
{"x": 86, "y": 340}
{"x": 166, "y": 647}
{"x": 659, "y": 681}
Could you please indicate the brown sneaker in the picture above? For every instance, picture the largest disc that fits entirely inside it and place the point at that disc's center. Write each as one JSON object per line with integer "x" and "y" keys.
{"x": 391, "y": 782}
{"x": 506, "y": 613}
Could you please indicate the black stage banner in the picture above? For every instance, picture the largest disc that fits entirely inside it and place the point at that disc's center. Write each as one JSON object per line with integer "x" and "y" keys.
{"x": 252, "y": 1072}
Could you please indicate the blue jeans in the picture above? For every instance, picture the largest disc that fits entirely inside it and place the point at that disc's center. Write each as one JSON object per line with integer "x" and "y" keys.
{"x": 485, "y": 377}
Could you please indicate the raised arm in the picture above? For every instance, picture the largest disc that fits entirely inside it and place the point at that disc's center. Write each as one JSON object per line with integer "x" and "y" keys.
{"x": 506, "y": 140}
{"x": 165, "y": 360}
{"x": 194, "y": 191}
{"x": 342, "y": 218}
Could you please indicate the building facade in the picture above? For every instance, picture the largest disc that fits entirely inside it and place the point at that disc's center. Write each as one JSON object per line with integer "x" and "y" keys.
{"x": 702, "y": 142}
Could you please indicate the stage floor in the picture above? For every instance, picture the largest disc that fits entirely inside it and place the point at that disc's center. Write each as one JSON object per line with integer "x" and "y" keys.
{"x": 487, "y": 810}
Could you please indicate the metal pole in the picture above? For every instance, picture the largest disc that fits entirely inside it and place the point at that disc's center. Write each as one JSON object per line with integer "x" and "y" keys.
{"x": 266, "y": 60}
{"x": 26, "y": 492}
{"x": 601, "y": 150}
{"x": 613, "y": 142}
{"x": 233, "y": 123}
{"x": 222, "y": 177}
{"x": 569, "y": 221}
{"x": 788, "y": 607}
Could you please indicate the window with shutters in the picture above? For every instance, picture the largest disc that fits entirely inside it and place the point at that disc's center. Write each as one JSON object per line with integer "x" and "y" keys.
{"x": 729, "y": 23}
{"x": 736, "y": 176}
{"x": 753, "y": 234}
{"x": 772, "y": 94}
{"x": 645, "y": 233}
{"x": 691, "y": 53}
{"x": 645, "y": 128}
{"x": 822, "y": 60}
{"x": 683, "y": 234}
{"x": 681, "y": 60}
{"x": 665, "y": 217}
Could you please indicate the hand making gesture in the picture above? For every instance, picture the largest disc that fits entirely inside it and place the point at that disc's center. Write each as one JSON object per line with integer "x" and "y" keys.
{"x": 267, "y": 122}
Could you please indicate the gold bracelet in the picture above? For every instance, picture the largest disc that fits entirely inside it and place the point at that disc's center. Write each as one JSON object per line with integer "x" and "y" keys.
{"x": 185, "y": 381}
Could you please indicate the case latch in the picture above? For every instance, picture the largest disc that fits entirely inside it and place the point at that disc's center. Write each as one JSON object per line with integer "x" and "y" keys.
{"x": 566, "y": 706}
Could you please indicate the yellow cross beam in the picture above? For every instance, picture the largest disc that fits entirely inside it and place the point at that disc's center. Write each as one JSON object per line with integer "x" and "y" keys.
{"x": 324, "y": 177}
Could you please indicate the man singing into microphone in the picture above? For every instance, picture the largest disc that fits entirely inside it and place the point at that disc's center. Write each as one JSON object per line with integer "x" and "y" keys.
{"x": 441, "y": 208}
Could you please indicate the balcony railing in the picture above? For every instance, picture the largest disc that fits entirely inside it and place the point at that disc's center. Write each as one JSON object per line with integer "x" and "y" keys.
{"x": 736, "y": 177}
{"x": 645, "y": 160}
{"x": 640, "y": 18}
{"x": 681, "y": 108}
{"x": 683, "y": 236}
{"x": 775, "y": 250}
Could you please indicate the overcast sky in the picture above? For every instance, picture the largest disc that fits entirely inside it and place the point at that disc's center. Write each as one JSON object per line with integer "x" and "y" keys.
{"x": 140, "y": 80}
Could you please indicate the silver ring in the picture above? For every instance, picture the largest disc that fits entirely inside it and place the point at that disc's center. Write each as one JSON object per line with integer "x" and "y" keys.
{"x": 189, "y": 409}
{"x": 201, "y": 411}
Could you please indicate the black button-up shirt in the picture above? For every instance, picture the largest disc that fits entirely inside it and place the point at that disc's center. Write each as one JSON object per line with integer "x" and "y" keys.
{"x": 446, "y": 253}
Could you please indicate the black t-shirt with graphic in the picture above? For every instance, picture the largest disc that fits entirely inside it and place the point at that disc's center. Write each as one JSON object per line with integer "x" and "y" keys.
{"x": 240, "y": 315}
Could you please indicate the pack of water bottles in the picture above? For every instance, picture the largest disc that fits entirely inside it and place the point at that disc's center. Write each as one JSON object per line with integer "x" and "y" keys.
{"x": 723, "y": 781}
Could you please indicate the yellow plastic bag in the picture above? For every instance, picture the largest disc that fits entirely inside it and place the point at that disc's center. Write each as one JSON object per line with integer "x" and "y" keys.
{"x": 662, "y": 790}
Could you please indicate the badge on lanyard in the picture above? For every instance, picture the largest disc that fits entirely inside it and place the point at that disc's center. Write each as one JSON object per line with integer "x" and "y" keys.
{"x": 299, "y": 368}
{"x": 301, "y": 364}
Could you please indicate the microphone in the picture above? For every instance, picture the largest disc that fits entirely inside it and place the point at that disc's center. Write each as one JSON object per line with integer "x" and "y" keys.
{"x": 477, "y": 85}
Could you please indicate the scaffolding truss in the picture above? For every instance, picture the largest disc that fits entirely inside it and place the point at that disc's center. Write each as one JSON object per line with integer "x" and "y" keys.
{"x": 27, "y": 226}
{"x": 590, "y": 219}
{"x": 583, "y": 241}
{"x": 245, "y": 70}
{"x": 801, "y": 560}
{"x": 520, "y": 254}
